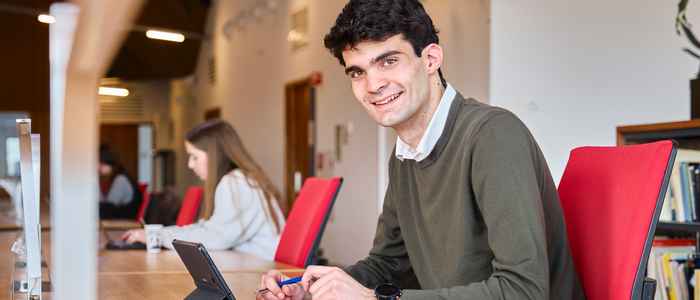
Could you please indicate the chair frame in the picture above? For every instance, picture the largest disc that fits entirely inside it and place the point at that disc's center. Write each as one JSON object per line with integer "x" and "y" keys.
{"x": 643, "y": 287}
{"x": 312, "y": 258}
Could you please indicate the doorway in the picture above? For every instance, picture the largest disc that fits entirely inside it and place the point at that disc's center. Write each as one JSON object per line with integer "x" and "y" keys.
{"x": 122, "y": 140}
{"x": 133, "y": 144}
{"x": 300, "y": 138}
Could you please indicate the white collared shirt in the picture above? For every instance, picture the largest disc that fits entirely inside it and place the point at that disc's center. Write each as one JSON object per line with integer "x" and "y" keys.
{"x": 432, "y": 133}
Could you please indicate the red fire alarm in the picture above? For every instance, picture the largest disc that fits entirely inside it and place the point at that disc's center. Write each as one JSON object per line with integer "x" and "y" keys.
{"x": 316, "y": 78}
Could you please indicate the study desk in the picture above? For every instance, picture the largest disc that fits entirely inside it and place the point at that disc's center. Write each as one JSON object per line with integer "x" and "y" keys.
{"x": 167, "y": 261}
{"x": 163, "y": 286}
{"x": 169, "y": 286}
{"x": 136, "y": 274}
{"x": 10, "y": 222}
{"x": 119, "y": 224}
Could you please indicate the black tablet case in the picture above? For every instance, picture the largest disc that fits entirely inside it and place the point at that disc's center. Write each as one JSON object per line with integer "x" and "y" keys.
{"x": 209, "y": 281}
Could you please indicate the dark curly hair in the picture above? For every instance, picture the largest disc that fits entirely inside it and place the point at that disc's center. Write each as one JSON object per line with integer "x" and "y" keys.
{"x": 378, "y": 20}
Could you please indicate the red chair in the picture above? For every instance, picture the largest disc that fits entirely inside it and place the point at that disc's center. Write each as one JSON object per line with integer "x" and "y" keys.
{"x": 190, "y": 206}
{"x": 612, "y": 198}
{"x": 145, "y": 200}
{"x": 307, "y": 220}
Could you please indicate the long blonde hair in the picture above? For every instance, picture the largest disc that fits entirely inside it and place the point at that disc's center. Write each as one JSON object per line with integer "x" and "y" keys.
{"x": 225, "y": 152}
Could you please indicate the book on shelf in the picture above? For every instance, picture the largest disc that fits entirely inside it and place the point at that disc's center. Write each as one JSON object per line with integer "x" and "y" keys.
{"x": 682, "y": 200}
{"x": 695, "y": 175}
{"x": 667, "y": 242}
{"x": 697, "y": 284}
{"x": 669, "y": 265}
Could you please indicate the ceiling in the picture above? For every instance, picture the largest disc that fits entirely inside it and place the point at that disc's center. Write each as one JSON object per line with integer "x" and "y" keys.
{"x": 144, "y": 58}
{"x": 139, "y": 58}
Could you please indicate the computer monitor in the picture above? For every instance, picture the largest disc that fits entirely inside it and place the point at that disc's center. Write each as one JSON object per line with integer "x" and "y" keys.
{"x": 30, "y": 158}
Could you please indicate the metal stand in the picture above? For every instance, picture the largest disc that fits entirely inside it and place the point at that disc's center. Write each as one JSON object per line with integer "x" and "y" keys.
{"x": 23, "y": 286}
{"x": 206, "y": 294}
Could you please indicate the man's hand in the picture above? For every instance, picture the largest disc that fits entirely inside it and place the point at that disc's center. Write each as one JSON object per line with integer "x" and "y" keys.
{"x": 274, "y": 292}
{"x": 333, "y": 283}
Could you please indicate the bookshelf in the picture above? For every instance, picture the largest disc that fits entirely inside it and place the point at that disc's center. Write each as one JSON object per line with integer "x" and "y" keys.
{"x": 677, "y": 228}
{"x": 687, "y": 135}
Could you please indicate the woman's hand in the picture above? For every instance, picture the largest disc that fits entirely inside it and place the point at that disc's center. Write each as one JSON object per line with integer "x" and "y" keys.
{"x": 134, "y": 235}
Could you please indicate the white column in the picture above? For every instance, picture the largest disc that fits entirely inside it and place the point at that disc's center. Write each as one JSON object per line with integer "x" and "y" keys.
{"x": 73, "y": 170}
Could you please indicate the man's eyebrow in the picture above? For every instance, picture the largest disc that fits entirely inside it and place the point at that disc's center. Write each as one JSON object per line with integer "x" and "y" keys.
{"x": 384, "y": 55}
{"x": 372, "y": 61}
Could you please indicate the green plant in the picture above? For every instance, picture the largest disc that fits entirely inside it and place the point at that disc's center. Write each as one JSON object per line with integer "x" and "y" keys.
{"x": 684, "y": 28}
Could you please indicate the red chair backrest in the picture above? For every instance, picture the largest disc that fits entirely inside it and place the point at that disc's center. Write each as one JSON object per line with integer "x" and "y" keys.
{"x": 307, "y": 220}
{"x": 145, "y": 199}
{"x": 612, "y": 197}
{"x": 190, "y": 206}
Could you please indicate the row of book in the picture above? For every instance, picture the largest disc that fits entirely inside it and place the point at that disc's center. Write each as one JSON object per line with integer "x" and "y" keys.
{"x": 673, "y": 264}
{"x": 682, "y": 202}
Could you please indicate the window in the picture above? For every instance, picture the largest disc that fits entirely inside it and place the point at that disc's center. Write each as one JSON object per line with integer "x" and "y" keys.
{"x": 9, "y": 143}
{"x": 12, "y": 156}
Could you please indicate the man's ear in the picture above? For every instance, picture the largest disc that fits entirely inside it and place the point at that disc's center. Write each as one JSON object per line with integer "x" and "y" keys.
{"x": 432, "y": 56}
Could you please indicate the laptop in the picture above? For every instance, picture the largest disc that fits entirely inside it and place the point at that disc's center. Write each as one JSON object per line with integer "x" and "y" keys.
{"x": 209, "y": 281}
{"x": 120, "y": 244}
{"x": 124, "y": 245}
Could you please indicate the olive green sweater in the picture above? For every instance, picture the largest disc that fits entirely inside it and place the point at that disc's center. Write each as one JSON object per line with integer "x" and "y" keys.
{"x": 479, "y": 218}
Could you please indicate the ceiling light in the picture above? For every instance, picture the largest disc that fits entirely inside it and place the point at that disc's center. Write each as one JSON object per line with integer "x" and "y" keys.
{"x": 112, "y": 91}
{"x": 44, "y": 18}
{"x": 165, "y": 35}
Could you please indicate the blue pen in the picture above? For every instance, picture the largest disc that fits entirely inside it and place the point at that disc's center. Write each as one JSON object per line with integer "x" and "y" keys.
{"x": 283, "y": 283}
{"x": 290, "y": 281}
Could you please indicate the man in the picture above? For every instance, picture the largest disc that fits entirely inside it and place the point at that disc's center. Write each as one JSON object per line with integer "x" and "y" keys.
{"x": 471, "y": 211}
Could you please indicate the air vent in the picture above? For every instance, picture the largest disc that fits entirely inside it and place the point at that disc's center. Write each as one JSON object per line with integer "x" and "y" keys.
{"x": 128, "y": 109}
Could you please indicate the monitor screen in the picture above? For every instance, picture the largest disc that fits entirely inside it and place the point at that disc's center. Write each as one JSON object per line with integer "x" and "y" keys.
{"x": 29, "y": 156}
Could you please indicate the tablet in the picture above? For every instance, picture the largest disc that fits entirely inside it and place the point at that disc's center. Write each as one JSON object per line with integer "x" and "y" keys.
{"x": 207, "y": 278}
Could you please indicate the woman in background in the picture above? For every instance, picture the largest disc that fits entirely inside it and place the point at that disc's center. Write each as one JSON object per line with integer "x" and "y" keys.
{"x": 119, "y": 194}
{"x": 240, "y": 208}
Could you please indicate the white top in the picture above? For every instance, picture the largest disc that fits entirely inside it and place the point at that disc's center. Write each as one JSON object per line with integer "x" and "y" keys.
{"x": 432, "y": 133}
{"x": 240, "y": 220}
{"x": 120, "y": 191}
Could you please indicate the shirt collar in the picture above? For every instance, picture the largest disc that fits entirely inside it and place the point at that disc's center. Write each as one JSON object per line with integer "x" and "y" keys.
{"x": 432, "y": 133}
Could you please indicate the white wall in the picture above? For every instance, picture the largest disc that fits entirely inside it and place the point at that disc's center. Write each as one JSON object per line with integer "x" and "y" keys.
{"x": 254, "y": 64}
{"x": 355, "y": 213}
{"x": 252, "y": 68}
{"x": 182, "y": 105}
{"x": 156, "y": 97}
{"x": 464, "y": 36}
{"x": 250, "y": 83}
{"x": 574, "y": 70}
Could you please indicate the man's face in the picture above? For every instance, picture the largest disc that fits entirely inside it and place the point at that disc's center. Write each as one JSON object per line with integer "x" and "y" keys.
{"x": 389, "y": 80}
